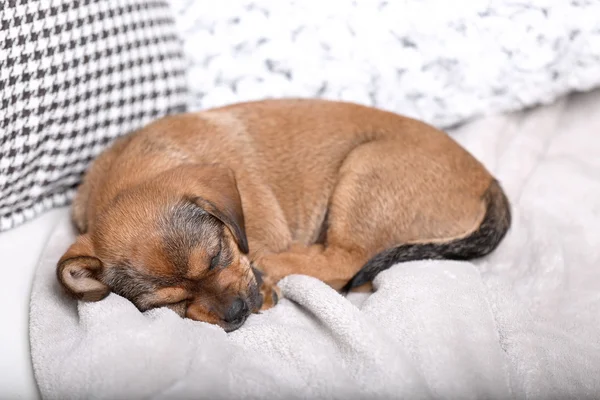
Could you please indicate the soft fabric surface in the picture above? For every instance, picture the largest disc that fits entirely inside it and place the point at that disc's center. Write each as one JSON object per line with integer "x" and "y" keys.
{"x": 20, "y": 249}
{"x": 438, "y": 60}
{"x": 522, "y": 323}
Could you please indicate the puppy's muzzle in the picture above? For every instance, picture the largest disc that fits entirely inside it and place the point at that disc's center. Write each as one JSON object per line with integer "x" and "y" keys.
{"x": 238, "y": 312}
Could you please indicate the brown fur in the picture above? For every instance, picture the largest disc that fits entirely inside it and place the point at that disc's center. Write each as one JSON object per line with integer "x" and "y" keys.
{"x": 293, "y": 186}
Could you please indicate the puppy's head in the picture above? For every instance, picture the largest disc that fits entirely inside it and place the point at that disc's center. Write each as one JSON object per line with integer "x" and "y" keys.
{"x": 178, "y": 241}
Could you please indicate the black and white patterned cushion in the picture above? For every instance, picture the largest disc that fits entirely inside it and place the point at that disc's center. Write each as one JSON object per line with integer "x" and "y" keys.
{"x": 75, "y": 74}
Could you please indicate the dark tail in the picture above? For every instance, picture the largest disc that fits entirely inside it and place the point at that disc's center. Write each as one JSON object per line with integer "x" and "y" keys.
{"x": 481, "y": 242}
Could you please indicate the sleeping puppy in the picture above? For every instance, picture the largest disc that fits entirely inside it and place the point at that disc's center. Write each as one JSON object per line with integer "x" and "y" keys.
{"x": 203, "y": 213}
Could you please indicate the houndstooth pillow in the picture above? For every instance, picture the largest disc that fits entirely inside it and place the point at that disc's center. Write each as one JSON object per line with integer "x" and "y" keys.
{"x": 75, "y": 74}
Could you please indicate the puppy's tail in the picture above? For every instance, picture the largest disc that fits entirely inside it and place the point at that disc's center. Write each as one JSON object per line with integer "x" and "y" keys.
{"x": 479, "y": 243}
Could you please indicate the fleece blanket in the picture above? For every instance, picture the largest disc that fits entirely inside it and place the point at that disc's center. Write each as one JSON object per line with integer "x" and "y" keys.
{"x": 522, "y": 323}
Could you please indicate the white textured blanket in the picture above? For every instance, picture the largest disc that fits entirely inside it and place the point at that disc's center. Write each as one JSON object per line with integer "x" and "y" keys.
{"x": 440, "y": 61}
{"x": 523, "y": 323}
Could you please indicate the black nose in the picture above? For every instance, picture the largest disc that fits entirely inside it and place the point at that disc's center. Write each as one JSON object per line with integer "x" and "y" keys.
{"x": 237, "y": 311}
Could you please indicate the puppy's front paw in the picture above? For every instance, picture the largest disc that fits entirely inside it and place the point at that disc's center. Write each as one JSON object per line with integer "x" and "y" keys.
{"x": 269, "y": 292}
{"x": 270, "y": 295}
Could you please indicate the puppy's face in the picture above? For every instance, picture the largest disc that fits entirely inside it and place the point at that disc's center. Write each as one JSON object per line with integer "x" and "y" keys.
{"x": 170, "y": 243}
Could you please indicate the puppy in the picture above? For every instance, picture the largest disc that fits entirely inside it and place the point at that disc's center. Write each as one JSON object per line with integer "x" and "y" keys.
{"x": 204, "y": 212}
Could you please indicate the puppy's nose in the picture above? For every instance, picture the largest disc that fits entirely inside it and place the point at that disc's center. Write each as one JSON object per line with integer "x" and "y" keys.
{"x": 237, "y": 311}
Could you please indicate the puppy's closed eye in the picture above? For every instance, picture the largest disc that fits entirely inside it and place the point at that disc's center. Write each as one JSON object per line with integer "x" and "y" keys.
{"x": 222, "y": 258}
{"x": 215, "y": 261}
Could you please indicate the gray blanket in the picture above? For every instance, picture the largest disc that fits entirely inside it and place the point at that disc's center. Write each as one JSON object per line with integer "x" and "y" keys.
{"x": 523, "y": 323}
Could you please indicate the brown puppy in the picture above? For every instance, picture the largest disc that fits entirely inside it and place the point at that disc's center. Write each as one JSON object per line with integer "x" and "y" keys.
{"x": 177, "y": 213}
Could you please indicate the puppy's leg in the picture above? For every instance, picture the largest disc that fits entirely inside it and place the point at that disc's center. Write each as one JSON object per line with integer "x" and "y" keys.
{"x": 270, "y": 292}
{"x": 390, "y": 193}
{"x": 266, "y": 226}
{"x": 332, "y": 264}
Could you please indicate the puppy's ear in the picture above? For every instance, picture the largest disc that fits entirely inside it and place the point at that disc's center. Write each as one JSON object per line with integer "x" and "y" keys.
{"x": 78, "y": 271}
{"x": 217, "y": 193}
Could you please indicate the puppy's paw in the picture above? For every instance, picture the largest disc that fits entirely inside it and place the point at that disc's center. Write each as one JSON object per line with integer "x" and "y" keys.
{"x": 269, "y": 291}
{"x": 270, "y": 295}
